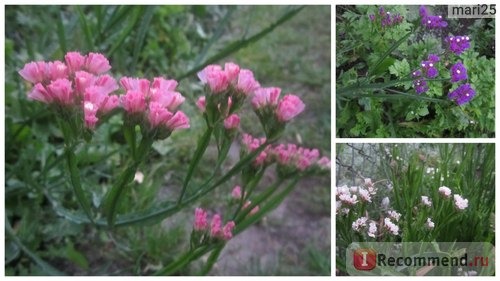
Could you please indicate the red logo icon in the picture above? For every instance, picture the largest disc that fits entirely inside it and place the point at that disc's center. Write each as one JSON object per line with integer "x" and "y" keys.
{"x": 364, "y": 259}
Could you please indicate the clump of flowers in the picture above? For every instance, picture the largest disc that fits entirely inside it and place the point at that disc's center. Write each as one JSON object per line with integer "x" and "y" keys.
{"x": 76, "y": 85}
{"x": 458, "y": 44}
{"x": 215, "y": 230}
{"x": 431, "y": 21}
{"x": 385, "y": 18}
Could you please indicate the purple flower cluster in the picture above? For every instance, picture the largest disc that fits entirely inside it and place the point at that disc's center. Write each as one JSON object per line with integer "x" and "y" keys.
{"x": 386, "y": 20}
{"x": 462, "y": 94}
{"x": 431, "y": 21}
{"x": 458, "y": 44}
{"x": 458, "y": 72}
{"x": 429, "y": 70}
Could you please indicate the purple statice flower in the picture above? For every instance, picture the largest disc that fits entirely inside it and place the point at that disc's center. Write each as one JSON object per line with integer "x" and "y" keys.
{"x": 386, "y": 18}
{"x": 420, "y": 86}
{"x": 381, "y": 11}
{"x": 423, "y": 11}
{"x": 458, "y": 72}
{"x": 431, "y": 21}
{"x": 372, "y": 17}
{"x": 462, "y": 94}
{"x": 416, "y": 73}
{"x": 429, "y": 69}
{"x": 458, "y": 44}
{"x": 397, "y": 19}
{"x": 433, "y": 58}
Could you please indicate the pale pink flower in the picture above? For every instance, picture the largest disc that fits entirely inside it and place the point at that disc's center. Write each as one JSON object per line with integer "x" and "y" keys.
{"x": 215, "y": 226}
{"x": 232, "y": 122}
{"x": 251, "y": 144}
{"x": 445, "y": 191}
{"x": 107, "y": 83}
{"x": 394, "y": 215}
{"x": 215, "y": 78}
{"x": 97, "y": 63}
{"x": 232, "y": 70}
{"x": 460, "y": 203}
{"x": 139, "y": 177}
{"x": 324, "y": 163}
{"x": 426, "y": 201}
{"x": 57, "y": 70}
{"x": 236, "y": 193}
{"x": 134, "y": 102}
{"x": 265, "y": 97}
{"x": 360, "y": 223}
{"x": 368, "y": 182}
{"x": 289, "y": 107}
{"x": 391, "y": 227}
{"x": 75, "y": 61}
{"x": 364, "y": 195}
{"x": 61, "y": 91}
{"x": 254, "y": 209}
{"x": 111, "y": 103}
{"x": 348, "y": 199}
{"x": 246, "y": 82}
{"x": 136, "y": 85}
{"x": 170, "y": 100}
{"x": 201, "y": 220}
{"x": 429, "y": 224}
{"x": 227, "y": 231}
{"x": 372, "y": 229}
{"x": 201, "y": 103}
{"x": 158, "y": 115}
{"x": 34, "y": 72}
{"x": 178, "y": 121}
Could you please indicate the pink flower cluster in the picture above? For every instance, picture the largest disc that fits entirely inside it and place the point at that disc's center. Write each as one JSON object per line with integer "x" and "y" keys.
{"x": 216, "y": 229}
{"x": 285, "y": 109}
{"x": 76, "y": 82}
{"x": 156, "y": 102}
{"x": 285, "y": 154}
{"x": 232, "y": 77}
{"x": 236, "y": 195}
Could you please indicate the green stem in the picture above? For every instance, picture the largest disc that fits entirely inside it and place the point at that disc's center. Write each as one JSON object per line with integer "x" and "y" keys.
{"x": 76, "y": 183}
{"x": 200, "y": 150}
{"x": 212, "y": 259}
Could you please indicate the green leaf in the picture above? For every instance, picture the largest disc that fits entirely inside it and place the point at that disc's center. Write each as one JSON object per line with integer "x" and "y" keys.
{"x": 76, "y": 257}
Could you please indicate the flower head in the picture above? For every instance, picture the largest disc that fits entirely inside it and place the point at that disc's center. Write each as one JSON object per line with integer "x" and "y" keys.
{"x": 200, "y": 219}
{"x": 232, "y": 122}
{"x": 458, "y": 72}
{"x": 289, "y": 107}
{"x": 227, "y": 230}
{"x": 445, "y": 191}
{"x": 360, "y": 223}
{"x": 201, "y": 103}
{"x": 372, "y": 229}
{"x": 460, "y": 202}
{"x": 462, "y": 94}
{"x": 426, "y": 201}
{"x": 391, "y": 227}
{"x": 429, "y": 224}
{"x": 236, "y": 193}
{"x": 420, "y": 86}
{"x": 216, "y": 226}
{"x": 394, "y": 215}
{"x": 458, "y": 44}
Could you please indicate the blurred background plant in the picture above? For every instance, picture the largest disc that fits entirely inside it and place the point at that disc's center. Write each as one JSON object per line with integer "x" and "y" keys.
{"x": 176, "y": 42}
{"x": 374, "y": 92}
{"x": 403, "y": 173}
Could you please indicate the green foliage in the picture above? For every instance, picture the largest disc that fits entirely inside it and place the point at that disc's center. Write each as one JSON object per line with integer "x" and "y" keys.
{"x": 374, "y": 66}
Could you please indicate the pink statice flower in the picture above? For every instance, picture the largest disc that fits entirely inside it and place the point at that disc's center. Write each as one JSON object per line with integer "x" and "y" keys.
{"x": 232, "y": 122}
{"x": 57, "y": 70}
{"x": 200, "y": 219}
{"x": 34, "y": 72}
{"x": 90, "y": 112}
{"x": 250, "y": 144}
{"x": 254, "y": 209}
{"x": 61, "y": 91}
{"x": 227, "y": 230}
{"x": 236, "y": 193}
{"x": 216, "y": 226}
{"x": 135, "y": 84}
{"x": 96, "y": 63}
{"x": 201, "y": 103}
{"x": 426, "y": 201}
{"x": 163, "y": 92}
{"x": 134, "y": 102}
{"x": 445, "y": 191}
{"x": 289, "y": 107}
{"x": 266, "y": 97}
{"x": 246, "y": 83}
{"x": 460, "y": 203}
{"x": 324, "y": 163}
{"x": 215, "y": 77}
{"x": 178, "y": 121}
{"x": 75, "y": 61}
{"x": 157, "y": 114}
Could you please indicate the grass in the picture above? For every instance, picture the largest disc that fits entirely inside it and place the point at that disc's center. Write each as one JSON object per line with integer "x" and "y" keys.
{"x": 149, "y": 41}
